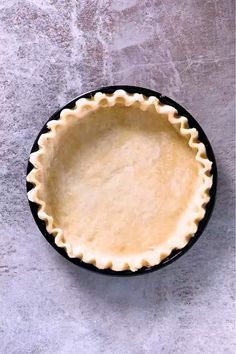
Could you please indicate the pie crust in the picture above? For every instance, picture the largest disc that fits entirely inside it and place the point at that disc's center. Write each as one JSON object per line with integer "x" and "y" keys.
{"x": 120, "y": 180}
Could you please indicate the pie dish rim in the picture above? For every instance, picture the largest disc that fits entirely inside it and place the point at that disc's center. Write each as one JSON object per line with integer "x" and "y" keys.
{"x": 202, "y": 137}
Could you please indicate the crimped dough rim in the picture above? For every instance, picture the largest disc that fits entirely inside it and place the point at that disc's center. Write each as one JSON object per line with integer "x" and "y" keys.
{"x": 180, "y": 123}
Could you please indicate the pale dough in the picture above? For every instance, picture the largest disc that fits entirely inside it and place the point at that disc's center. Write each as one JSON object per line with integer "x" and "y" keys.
{"x": 120, "y": 182}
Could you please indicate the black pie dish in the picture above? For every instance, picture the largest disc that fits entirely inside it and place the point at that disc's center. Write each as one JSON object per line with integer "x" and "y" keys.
{"x": 175, "y": 254}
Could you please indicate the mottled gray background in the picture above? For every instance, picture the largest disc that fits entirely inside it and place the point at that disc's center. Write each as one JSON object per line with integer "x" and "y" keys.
{"x": 51, "y": 51}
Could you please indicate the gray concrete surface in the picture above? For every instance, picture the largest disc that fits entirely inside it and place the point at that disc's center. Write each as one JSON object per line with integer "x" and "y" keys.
{"x": 51, "y": 51}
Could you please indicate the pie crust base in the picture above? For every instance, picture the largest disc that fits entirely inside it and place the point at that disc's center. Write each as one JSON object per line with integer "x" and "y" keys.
{"x": 120, "y": 180}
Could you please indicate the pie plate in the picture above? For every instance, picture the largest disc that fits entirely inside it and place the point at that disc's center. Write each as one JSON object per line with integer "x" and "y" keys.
{"x": 176, "y": 253}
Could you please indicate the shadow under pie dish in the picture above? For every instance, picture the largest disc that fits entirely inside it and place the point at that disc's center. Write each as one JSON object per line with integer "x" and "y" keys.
{"x": 121, "y": 180}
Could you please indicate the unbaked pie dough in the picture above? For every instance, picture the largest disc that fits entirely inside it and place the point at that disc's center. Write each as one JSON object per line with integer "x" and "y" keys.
{"x": 120, "y": 180}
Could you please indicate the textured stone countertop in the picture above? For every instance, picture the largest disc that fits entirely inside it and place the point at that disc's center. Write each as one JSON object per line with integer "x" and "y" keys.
{"x": 51, "y": 51}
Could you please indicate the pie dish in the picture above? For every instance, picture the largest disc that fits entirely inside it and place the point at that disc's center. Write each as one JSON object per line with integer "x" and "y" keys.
{"x": 120, "y": 180}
